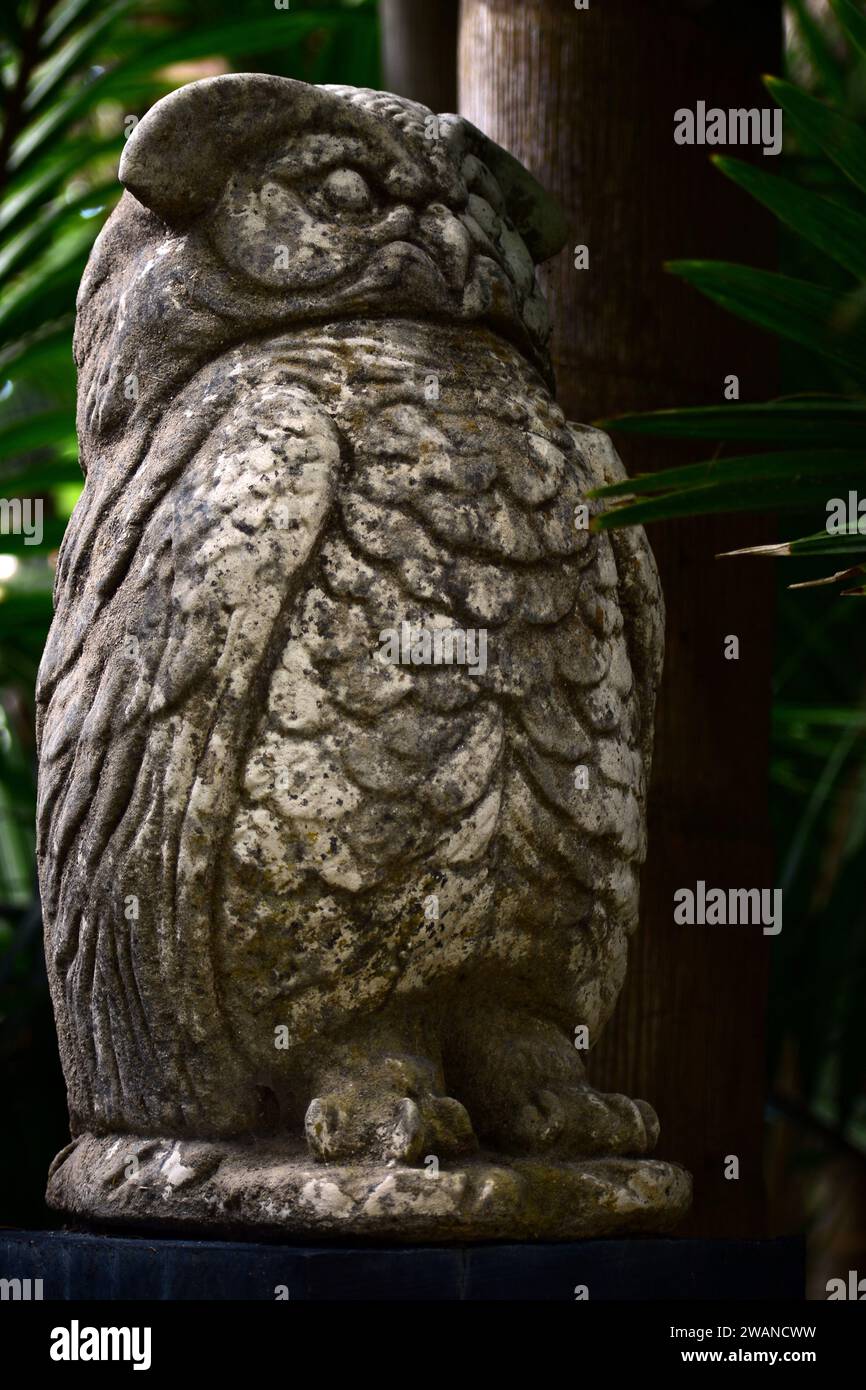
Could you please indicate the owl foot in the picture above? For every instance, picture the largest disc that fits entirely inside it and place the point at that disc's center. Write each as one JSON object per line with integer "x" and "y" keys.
{"x": 390, "y": 1115}
{"x": 579, "y": 1122}
{"x": 523, "y": 1082}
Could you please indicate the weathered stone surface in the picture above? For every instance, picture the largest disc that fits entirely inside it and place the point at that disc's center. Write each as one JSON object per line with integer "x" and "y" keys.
{"x": 301, "y": 882}
{"x": 235, "y": 1187}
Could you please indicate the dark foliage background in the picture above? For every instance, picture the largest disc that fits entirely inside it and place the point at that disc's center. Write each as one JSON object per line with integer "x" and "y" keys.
{"x": 791, "y": 456}
{"x": 73, "y": 72}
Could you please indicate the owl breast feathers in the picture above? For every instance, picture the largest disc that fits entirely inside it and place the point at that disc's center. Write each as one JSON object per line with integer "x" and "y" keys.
{"x": 315, "y": 410}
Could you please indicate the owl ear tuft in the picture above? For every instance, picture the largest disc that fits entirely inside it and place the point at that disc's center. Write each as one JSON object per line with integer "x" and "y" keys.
{"x": 536, "y": 214}
{"x": 180, "y": 154}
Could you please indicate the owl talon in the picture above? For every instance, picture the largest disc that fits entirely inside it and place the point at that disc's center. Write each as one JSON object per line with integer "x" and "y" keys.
{"x": 392, "y": 1129}
{"x": 579, "y": 1122}
{"x": 527, "y": 1093}
{"x": 323, "y": 1123}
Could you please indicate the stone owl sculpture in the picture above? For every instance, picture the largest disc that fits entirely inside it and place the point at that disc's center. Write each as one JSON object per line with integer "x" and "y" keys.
{"x": 323, "y": 927}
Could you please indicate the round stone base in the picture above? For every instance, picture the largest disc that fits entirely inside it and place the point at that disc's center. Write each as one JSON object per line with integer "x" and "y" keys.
{"x": 252, "y": 1189}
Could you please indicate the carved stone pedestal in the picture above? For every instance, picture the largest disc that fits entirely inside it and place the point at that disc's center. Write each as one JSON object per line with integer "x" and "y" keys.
{"x": 232, "y": 1188}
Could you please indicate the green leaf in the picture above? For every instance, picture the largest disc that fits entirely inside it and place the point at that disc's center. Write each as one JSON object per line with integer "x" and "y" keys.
{"x": 209, "y": 41}
{"x": 64, "y": 18}
{"x": 820, "y": 53}
{"x": 830, "y": 421}
{"x": 47, "y": 348}
{"x": 849, "y": 541}
{"x": 49, "y": 174}
{"x": 33, "y": 432}
{"x": 55, "y": 71}
{"x": 852, "y": 22}
{"x": 851, "y": 572}
{"x": 830, "y": 716}
{"x": 33, "y": 237}
{"x": 764, "y": 495}
{"x": 834, "y": 229}
{"x": 840, "y": 138}
{"x": 57, "y": 268}
{"x": 786, "y": 468}
{"x": 794, "y": 309}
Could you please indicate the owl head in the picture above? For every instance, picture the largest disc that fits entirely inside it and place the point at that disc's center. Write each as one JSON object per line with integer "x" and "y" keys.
{"x": 342, "y": 202}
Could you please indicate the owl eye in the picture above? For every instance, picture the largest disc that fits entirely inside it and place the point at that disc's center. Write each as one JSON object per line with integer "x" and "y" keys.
{"x": 345, "y": 190}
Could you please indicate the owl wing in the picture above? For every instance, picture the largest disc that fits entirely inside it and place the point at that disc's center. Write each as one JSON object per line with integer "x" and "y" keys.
{"x": 585, "y": 682}
{"x": 638, "y": 586}
{"x": 175, "y": 583}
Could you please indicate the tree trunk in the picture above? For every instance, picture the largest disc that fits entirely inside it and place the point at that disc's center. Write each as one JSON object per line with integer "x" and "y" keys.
{"x": 586, "y": 99}
{"x": 419, "y": 50}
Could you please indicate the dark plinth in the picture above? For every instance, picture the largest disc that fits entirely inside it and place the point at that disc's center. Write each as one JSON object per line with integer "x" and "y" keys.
{"x": 76, "y": 1266}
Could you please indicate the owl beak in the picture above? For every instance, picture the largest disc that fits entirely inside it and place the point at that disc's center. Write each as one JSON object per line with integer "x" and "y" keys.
{"x": 447, "y": 242}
